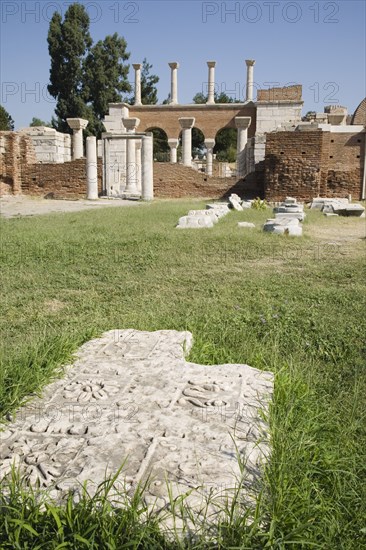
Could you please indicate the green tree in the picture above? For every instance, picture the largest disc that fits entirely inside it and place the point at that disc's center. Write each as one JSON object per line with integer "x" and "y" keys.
{"x": 105, "y": 78}
{"x": 38, "y": 122}
{"x": 201, "y": 98}
{"x": 149, "y": 92}
{"x": 6, "y": 122}
{"x": 68, "y": 42}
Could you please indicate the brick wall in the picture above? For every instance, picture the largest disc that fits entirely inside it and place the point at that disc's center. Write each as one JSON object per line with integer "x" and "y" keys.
{"x": 59, "y": 181}
{"x": 16, "y": 151}
{"x": 178, "y": 181}
{"x": 359, "y": 116}
{"x": 285, "y": 93}
{"x": 311, "y": 163}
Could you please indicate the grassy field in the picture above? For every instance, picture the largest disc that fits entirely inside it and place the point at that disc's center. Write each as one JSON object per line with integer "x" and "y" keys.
{"x": 293, "y": 306}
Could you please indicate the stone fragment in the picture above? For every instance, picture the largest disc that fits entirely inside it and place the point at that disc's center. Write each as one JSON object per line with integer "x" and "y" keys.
{"x": 131, "y": 399}
{"x": 246, "y": 224}
{"x": 195, "y": 222}
{"x": 213, "y": 214}
{"x": 349, "y": 210}
{"x": 235, "y": 202}
{"x": 283, "y": 226}
{"x": 320, "y": 202}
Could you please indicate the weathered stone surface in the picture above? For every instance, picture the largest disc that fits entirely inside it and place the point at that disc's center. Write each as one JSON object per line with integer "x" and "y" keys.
{"x": 195, "y": 222}
{"x": 283, "y": 226}
{"x": 290, "y": 215}
{"x": 289, "y": 208}
{"x": 320, "y": 202}
{"x": 132, "y": 399}
{"x": 220, "y": 208}
{"x": 246, "y": 224}
{"x": 213, "y": 214}
{"x": 349, "y": 210}
{"x": 235, "y": 202}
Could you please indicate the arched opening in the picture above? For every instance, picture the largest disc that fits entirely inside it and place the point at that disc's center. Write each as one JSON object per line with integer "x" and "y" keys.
{"x": 225, "y": 146}
{"x": 198, "y": 144}
{"x": 161, "y": 150}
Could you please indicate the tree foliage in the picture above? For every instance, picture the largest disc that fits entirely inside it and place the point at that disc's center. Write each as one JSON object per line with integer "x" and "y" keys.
{"x": 201, "y": 98}
{"x": 6, "y": 122}
{"x": 68, "y": 42}
{"x": 84, "y": 77}
{"x": 105, "y": 77}
{"x": 38, "y": 122}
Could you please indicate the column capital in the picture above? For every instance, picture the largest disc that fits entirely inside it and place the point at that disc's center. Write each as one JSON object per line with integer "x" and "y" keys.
{"x": 209, "y": 143}
{"x": 130, "y": 123}
{"x": 242, "y": 121}
{"x": 77, "y": 123}
{"x": 186, "y": 122}
{"x": 136, "y": 66}
{"x": 211, "y": 64}
{"x": 250, "y": 62}
{"x": 173, "y": 142}
{"x": 174, "y": 65}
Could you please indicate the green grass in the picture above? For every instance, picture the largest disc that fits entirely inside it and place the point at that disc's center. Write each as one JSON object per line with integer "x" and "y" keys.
{"x": 292, "y": 306}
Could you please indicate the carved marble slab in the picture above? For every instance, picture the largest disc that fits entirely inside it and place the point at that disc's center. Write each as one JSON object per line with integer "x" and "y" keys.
{"x": 131, "y": 399}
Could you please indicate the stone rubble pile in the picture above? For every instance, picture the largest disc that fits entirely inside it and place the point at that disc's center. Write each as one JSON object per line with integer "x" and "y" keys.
{"x": 237, "y": 203}
{"x": 337, "y": 207}
{"x": 288, "y": 216}
{"x": 283, "y": 226}
{"x": 197, "y": 219}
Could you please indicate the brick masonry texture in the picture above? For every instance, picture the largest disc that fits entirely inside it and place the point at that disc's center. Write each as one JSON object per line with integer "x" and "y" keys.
{"x": 287, "y": 93}
{"x": 312, "y": 163}
{"x": 359, "y": 116}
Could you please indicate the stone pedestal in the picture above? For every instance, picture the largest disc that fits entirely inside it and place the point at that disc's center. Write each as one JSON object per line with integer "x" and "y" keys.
{"x": 211, "y": 82}
{"x": 77, "y": 125}
{"x": 250, "y": 79}
{"x": 91, "y": 168}
{"x": 187, "y": 124}
{"x": 147, "y": 192}
{"x": 209, "y": 144}
{"x": 174, "y": 83}
{"x": 173, "y": 144}
{"x": 137, "y": 67}
{"x": 242, "y": 123}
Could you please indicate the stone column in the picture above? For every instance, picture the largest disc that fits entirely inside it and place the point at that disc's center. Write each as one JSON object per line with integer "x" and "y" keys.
{"x": 242, "y": 123}
{"x": 77, "y": 125}
{"x": 250, "y": 79}
{"x": 91, "y": 168}
{"x": 187, "y": 124}
{"x": 209, "y": 144}
{"x": 131, "y": 172}
{"x": 211, "y": 82}
{"x": 174, "y": 83}
{"x": 173, "y": 144}
{"x": 147, "y": 192}
{"x": 137, "y": 67}
{"x": 138, "y": 146}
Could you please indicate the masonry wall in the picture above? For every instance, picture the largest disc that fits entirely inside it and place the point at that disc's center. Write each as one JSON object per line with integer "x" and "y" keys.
{"x": 285, "y": 93}
{"x": 58, "y": 181}
{"x": 178, "y": 181}
{"x": 311, "y": 163}
{"x": 16, "y": 151}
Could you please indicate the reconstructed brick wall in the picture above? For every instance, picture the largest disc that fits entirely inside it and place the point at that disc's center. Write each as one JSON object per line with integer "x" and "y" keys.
{"x": 59, "y": 181}
{"x": 277, "y": 94}
{"x": 307, "y": 164}
{"x": 359, "y": 116}
{"x": 177, "y": 181}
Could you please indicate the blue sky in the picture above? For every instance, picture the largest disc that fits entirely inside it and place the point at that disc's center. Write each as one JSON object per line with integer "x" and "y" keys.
{"x": 319, "y": 44}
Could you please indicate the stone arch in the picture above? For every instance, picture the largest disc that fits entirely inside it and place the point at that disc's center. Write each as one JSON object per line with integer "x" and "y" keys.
{"x": 160, "y": 144}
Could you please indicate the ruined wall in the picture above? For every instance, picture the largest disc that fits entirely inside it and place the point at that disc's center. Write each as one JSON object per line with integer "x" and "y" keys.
{"x": 58, "y": 181}
{"x": 177, "y": 181}
{"x": 16, "y": 151}
{"x": 49, "y": 145}
{"x": 312, "y": 163}
{"x": 286, "y": 93}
